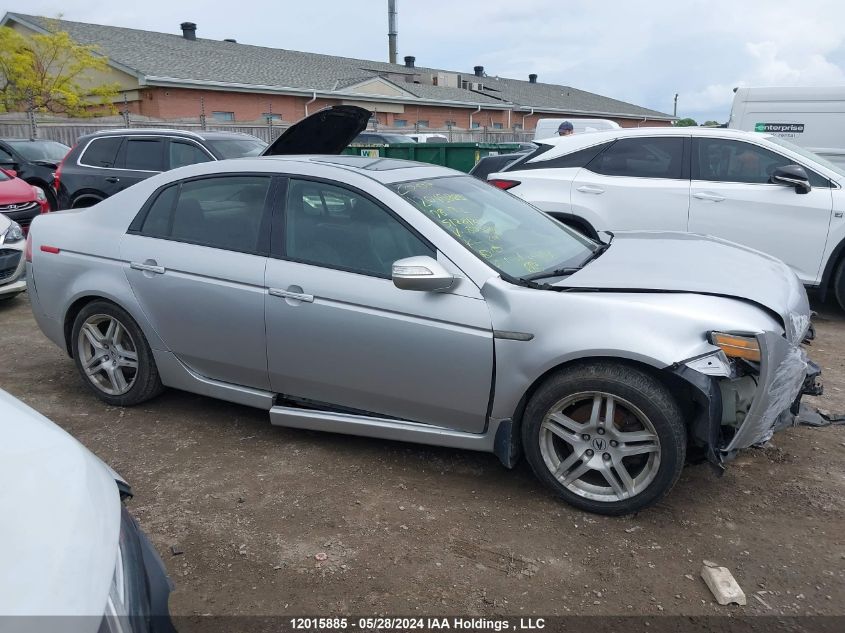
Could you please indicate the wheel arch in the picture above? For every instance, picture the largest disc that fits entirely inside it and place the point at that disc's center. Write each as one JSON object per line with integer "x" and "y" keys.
{"x": 577, "y": 222}
{"x": 674, "y": 383}
{"x": 837, "y": 255}
{"x": 89, "y": 197}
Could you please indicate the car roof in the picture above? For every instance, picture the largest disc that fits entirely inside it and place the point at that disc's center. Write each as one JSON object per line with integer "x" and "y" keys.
{"x": 29, "y": 140}
{"x": 383, "y": 170}
{"x": 202, "y": 135}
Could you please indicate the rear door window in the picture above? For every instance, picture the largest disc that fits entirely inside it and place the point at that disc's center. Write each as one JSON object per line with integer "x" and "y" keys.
{"x": 143, "y": 154}
{"x": 101, "y": 152}
{"x": 641, "y": 158}
{"x": 227, "y": 212}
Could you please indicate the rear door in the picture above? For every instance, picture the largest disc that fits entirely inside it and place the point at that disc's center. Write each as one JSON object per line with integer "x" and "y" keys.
{"x": 195, "y": 259}
{"x": 96, "y": 171}
{"x": 732, "y": 198}
{"x": 139, "y": 158}
{"x": 636, "y": 183}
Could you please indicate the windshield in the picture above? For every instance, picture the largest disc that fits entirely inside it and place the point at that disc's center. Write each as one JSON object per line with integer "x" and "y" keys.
{"x": 505, "y": 232}
{"x": 808, "y": 154}
{"x": 237, "y": 147}
{"x": 40, "y": 150}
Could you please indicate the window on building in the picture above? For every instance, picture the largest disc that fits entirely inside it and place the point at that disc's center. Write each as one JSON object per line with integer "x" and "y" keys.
{"x": 497, "y": 126}
{"x": 224, "y": 212}
{"x": 476, "y": 124}
{"x": 517, "y": 126}
{"x": 269, "y": 116}
{"x": 223, "y": 116}
{"x": 422, "y": 124}
{"x": 400, "y": 123}
{"x": 450, "y": 124}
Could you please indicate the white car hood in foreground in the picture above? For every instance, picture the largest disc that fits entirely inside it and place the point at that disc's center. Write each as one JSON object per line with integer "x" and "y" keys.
{"x": 60, "y": 518}
{"x": 685, "y": 262}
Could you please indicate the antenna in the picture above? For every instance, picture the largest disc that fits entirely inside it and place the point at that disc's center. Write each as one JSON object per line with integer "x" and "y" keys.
{"x": 392, "y": 31}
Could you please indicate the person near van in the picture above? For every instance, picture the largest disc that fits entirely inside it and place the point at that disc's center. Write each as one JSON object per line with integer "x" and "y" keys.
{"x": 565, "y": 129}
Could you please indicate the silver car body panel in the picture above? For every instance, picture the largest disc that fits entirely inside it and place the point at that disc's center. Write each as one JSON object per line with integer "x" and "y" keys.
{"x": 432, "y": 356}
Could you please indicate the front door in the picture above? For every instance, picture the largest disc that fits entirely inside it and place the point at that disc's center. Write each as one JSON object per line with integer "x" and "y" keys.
{"x": 195, "y": 259}
{"x": 339, "y": 333}
{"x": 638, "y": 183}
{"x": 732, "y": 198}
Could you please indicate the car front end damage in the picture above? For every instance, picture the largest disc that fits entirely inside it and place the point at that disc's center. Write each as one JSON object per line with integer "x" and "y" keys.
{"x": 749, "y": 388}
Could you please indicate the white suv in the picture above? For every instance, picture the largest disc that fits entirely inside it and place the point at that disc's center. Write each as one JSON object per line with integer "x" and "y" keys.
{"x": 750, "y": 188}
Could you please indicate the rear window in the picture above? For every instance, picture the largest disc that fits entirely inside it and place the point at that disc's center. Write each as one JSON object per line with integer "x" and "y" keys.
{"x": 101, "y": 152}
{"x": 40, "y": 150}
{"x": 579, "y": 158}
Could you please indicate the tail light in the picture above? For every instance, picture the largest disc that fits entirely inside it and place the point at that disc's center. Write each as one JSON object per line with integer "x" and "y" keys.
{"x": 501, "y": 183}
{"x": 57, "y": 175}
{"x": 27, "y": 253}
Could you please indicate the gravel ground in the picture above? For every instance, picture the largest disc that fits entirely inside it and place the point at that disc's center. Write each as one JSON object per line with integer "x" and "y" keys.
{"x": 281, "y": 521}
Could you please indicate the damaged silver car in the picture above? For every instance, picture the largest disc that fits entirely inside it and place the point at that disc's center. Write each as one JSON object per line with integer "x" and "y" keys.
{"x": 410, "y": 302}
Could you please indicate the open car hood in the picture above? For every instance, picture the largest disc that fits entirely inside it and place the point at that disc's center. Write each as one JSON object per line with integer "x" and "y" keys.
{"x": 684, "y": 262}
{"x": 328, "y": 131}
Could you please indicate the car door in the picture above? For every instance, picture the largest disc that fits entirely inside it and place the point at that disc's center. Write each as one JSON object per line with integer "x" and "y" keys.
{"x": 341, "y": 334}
{"x": 195, "y": 258}
{"x": 732, "y": 198}
{"x": 96, "y": 172}
{"x": 182, "y": 152}
{"x": 639, "y": 182}
{"x": 139, "y": 158}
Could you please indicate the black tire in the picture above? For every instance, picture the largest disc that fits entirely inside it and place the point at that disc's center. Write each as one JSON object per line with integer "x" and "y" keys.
{"x": 628, "y": 386}
{"x": 839, "y": 284}
{"x": 145, "y": 381}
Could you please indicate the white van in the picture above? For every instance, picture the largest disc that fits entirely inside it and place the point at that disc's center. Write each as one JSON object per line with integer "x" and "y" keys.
{"x": 546, "y": 128}
{"x": 813, "y": 118}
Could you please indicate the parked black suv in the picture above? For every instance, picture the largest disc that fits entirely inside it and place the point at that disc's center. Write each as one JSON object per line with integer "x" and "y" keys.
{"x": 34, "y": 160}
{"x": 102, "y": 164}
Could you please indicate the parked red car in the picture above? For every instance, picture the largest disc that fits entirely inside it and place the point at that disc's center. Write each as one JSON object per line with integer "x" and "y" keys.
{"x": 19, "y": 200}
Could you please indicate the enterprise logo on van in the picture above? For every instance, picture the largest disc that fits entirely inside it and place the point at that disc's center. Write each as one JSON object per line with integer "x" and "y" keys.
{"x": 789, "y": 128}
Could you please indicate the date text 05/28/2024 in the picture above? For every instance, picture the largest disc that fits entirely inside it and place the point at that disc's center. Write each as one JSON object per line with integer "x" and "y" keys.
{"x": 418, "y": 623}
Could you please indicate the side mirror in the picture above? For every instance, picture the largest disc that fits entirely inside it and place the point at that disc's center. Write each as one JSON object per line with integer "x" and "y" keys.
{"x": 421, "y": 273}
{"x": 792, "y": 176}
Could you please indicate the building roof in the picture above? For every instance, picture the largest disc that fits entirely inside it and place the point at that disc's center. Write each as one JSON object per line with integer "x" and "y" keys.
{"x": 170, "y": 59}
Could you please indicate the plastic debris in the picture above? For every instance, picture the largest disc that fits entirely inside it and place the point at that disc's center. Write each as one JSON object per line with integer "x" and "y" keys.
{"x": 722, "y": 584}
{"x": 176, "y": 550}
{"x": 321, "y": 556}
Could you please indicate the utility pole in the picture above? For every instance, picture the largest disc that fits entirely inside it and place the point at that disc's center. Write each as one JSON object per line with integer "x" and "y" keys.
{"x": 202, "y": 112}
{"x": 675, "y": 111}
{"x": 392, "y": 31}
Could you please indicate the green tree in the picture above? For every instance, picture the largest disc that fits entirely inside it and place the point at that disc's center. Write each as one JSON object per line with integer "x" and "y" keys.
{"x": 711, "y": 123}
{"x": 685, "y": 122}
{"x": 52, "y": 73}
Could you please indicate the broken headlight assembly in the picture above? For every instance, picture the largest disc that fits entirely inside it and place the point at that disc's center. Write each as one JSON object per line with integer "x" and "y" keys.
{"x": 737, "y": 346}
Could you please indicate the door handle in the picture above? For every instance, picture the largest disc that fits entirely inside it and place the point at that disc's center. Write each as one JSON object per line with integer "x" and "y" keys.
{"x": 112, "y": 179}
{"x": 590, "y": 189}
{"x": 287, "y": 294}
{"x": 147, "y": 268}
{"x": 709, "y": 197}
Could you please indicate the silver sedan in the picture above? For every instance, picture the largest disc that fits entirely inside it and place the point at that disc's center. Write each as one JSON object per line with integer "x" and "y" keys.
{"x": 405, "y": 301}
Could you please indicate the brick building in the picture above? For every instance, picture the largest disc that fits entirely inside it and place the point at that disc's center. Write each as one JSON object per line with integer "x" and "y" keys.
{"x": 174, "y": 76}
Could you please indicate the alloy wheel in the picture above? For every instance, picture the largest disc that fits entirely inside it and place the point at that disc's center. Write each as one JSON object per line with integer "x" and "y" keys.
{"x": 600, "y": 446}
{"x": 108, "y": 355}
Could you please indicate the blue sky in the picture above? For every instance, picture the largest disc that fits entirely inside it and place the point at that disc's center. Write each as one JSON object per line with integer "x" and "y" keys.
{"x": 642, "y": 53}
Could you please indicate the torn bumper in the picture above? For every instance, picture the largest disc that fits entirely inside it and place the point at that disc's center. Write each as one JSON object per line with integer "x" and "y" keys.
{"x": 741, "y": 409}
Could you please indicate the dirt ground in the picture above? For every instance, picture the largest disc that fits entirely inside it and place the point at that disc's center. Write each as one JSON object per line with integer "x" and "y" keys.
{"x": 409, "y": 529}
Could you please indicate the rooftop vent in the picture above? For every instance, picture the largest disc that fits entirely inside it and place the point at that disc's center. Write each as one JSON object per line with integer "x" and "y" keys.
{"x": 478, "y": 70}
{"x": 532, "y": 78}
{"x": 409, "y": 61}
{"x": 189, "y": 30}
{"x": 229, "y": 39}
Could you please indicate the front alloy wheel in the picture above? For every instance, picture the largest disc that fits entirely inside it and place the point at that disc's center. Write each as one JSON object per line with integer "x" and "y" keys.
{"x": 606, "y": 437}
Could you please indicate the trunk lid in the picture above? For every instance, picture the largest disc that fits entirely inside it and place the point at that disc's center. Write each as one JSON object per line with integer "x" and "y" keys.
{"x": 328, "y": 131}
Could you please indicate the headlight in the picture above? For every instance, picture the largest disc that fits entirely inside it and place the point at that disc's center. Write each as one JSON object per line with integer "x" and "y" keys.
{"x": 39, "y": 194}
{"x": 735, "y": 346}
{"x": 128, "y": 602}
{"x": 13, "y": 234}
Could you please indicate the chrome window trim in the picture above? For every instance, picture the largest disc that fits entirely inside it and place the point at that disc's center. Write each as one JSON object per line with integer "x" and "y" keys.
{"x": 144, "y": 171}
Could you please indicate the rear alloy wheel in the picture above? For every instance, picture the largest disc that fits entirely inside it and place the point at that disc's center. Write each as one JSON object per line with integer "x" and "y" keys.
{"x": 112, "y": 355}
{"x": 606, "y": 438}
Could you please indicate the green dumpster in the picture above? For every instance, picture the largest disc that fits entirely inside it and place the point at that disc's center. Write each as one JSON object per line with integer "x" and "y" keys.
{"x": 460, "y": 156}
